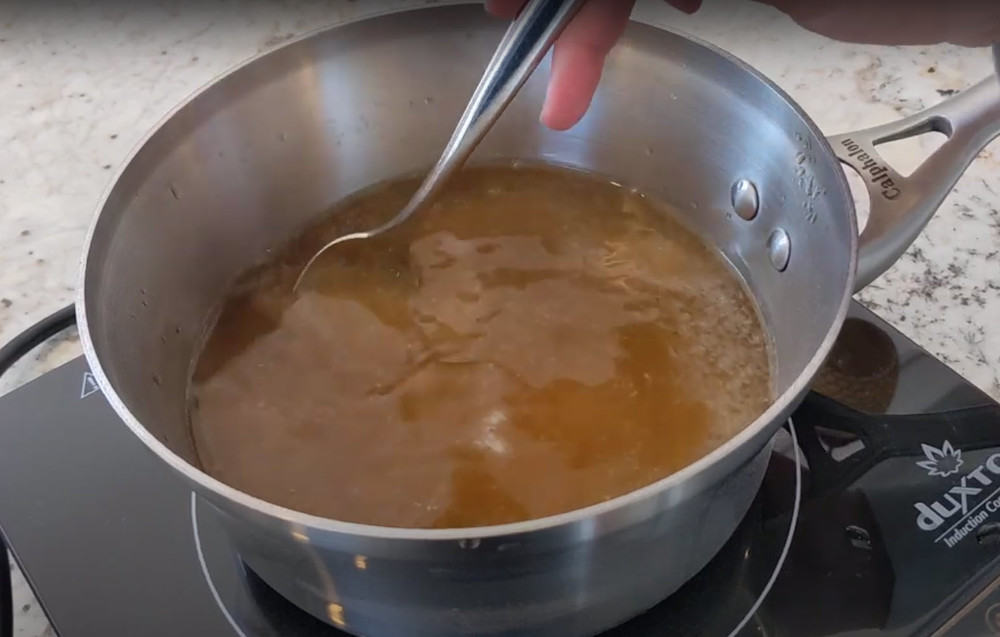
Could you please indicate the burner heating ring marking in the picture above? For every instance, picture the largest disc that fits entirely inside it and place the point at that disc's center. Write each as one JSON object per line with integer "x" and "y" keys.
{"x": 788, "y": 540}
{"x": 204, "y": 568}
{"x": 746, "y": 619}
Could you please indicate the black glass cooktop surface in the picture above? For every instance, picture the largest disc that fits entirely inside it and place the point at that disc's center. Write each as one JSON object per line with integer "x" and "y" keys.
{"x": 898, "y": 532}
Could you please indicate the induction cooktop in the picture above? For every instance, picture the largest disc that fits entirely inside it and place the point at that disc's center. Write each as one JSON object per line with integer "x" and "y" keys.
{"x": 898, "y": 530}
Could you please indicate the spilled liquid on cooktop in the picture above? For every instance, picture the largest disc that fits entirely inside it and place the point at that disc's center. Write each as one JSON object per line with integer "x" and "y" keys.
{"x": 537, "y": 341}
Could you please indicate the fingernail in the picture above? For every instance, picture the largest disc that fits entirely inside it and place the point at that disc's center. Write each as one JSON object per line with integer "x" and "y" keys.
{"x": 543, "y": 117}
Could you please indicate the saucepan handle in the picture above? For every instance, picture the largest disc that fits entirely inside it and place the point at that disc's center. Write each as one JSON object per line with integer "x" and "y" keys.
{"x": 901, "y": 206}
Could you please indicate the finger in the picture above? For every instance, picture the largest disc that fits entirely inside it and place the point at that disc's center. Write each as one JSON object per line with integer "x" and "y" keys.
{"x": 504, "y": 8}
{"x": 578, "y": 59}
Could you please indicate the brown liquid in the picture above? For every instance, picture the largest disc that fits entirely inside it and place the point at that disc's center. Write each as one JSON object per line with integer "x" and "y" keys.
{"x": 537, "y": 341}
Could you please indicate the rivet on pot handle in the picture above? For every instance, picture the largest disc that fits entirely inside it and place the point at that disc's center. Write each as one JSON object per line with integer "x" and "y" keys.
{"x": 901, "y": 206}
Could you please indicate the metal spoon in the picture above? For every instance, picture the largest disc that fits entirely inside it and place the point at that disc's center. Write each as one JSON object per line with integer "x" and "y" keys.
{"x": 523, "y": 46}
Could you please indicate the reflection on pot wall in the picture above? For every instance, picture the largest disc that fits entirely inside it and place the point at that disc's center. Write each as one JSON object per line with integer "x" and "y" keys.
{"x": 867, "y": 366}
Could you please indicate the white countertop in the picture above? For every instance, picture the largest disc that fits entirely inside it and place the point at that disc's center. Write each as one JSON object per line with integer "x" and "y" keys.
{"x": 81, "y": 86}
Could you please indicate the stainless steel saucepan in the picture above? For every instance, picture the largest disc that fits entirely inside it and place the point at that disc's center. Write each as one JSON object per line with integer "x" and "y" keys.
{"x": 251, "y": 160}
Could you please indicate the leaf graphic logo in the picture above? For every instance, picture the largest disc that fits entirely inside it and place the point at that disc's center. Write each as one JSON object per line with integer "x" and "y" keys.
{"x": 941, "y": 462}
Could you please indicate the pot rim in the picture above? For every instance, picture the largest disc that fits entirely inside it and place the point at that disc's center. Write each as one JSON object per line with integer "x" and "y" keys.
{"x": 780, "y": 406}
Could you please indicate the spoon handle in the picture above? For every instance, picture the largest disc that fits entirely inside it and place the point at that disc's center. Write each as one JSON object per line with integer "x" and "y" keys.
{"x": 523, "y": 46}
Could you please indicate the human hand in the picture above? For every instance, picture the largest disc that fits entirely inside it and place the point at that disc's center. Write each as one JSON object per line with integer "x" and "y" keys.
{"x": 579, "y": 53}
{"x": 963, "y": 22}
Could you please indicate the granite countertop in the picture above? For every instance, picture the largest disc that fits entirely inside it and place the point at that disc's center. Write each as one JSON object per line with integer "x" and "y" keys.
{"x": 82, "y": 85}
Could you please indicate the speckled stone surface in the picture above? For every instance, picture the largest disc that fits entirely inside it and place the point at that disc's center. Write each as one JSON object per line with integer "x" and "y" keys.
{"x": 81, "y": 86}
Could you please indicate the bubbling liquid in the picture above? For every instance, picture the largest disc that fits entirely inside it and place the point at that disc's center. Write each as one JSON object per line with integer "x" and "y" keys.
{"x": 536, "y": 341}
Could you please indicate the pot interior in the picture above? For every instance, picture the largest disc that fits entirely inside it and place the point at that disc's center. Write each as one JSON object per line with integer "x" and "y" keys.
{"x": 244, "y": 166}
